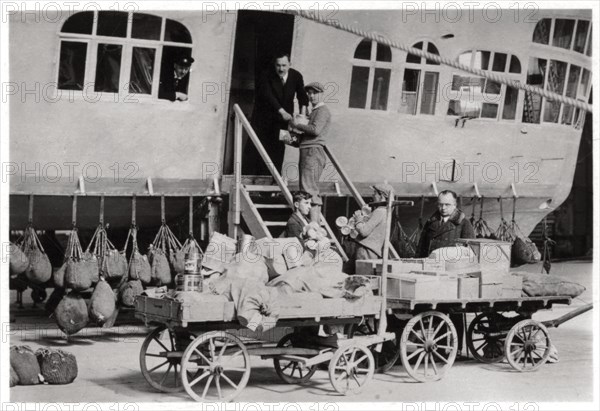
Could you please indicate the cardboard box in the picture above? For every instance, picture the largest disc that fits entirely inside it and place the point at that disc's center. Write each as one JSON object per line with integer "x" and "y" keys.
{"x": 512, "y": 286}
{"x": 491, "y": 254}
{"x": 404, "y": 265}
{"x": 421, "y": 287}
{"x": 468, "y": 288}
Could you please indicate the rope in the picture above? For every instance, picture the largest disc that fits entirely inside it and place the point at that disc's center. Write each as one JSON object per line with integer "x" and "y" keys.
{"x": 30, "y": 215}
{"x": 191, "y": 222}
{"x": 381, "y": 39}
{"x": 133, "y": 211}
{"x": 74, "y": 211}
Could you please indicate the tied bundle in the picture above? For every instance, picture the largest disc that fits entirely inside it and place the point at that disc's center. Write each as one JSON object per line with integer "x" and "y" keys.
{"x": 112, "y": 263}
{"x": 480, "y": 226}
{"x": 39, "y": 269}
{"x": 190, "y": 246}
{"x": 138, "y": 265}
{"x": 165, "y": 247}
{"x": 523, "y": 250}
{"x": 57, "y": 366}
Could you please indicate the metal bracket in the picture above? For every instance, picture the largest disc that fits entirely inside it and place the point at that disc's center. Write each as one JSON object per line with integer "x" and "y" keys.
{"x": 216, "y": 188}
{"x": 435, "y": 189}
{"x": 150, "y": 186}
{"x": 338, "y": 191}
{"x": 514, "y": 190}
{"x": 81, "y": 185}
{"x": 476, "y": 190}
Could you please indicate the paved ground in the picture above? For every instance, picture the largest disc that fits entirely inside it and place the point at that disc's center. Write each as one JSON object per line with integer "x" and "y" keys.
{"x": 109, "y": 369}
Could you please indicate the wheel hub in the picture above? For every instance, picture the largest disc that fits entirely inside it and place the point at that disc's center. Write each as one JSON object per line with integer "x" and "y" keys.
{"x": 529, "y": 346}
{"x": 430, "y": 346}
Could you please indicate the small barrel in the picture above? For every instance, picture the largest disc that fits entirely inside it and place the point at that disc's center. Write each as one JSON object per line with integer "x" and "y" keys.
{"x": 193, "y": 262}
{"x": 189, "y": 282}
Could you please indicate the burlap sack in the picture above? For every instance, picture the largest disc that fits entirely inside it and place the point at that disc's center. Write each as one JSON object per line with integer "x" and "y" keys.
{"x": 115, "y": 265}
{"x": 178, "y": 261}
{"x": 524, "y": 251}
{"x": 59, "y": 276}
{"x": 139, "y": 268}
{"x": 161, "y": 272}
{"x": 129, "y": 291}
{"x": 24, "y": 363}
{"x": 102, "y": 303}
{"x": 39, "y": 270}
{"x": 78, "y": 275}
{"x": 90, "y": 265}
{"x": 71, "y": 314}
{"x": 57, "y": 366}
{"x": 18, "y": 260}
{"x": 14, "y": 377}
{"x": 542, "y": 285}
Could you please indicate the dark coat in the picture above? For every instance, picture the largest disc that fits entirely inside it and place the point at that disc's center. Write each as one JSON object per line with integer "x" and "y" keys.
{"x": 437, "y": 234}
{"x": 169, "y": 85}
{"x": 294, "y": 227}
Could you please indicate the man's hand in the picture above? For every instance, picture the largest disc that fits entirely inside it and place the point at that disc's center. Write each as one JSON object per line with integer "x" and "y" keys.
{"x": 358, "y": 216}
{"x": 285, "y": 115}
{"x": 181, "y": 96}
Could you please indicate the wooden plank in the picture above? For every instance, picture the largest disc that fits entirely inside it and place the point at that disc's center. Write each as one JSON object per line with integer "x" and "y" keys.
{"x": 261, "y": 188}
{"x": 276, "y": 223}
{"x": 252, "y": 217}
{"x": 272, "y": 206}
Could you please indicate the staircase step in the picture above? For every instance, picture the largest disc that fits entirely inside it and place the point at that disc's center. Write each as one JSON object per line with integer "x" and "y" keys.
{"x": 272, "y": 206}
{"x": 276, "y": 223}
{"x": 252, "y": 187}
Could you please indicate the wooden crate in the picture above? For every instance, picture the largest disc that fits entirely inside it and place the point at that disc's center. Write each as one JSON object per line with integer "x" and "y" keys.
{"x": 491, "y": 254}
{"x": 512, "y": 286}
{"x": 468, "y": 288}
{"x": 404, "y": 265}
{"x": 490, "y": 283}
{"x": 421, "y": 287}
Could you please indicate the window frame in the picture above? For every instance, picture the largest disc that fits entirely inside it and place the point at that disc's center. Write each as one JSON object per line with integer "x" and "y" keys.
{"x": 423, "y": 67}
{"x": 128, "y": 43}
{"x": 372, "y": 64}
{"x": 573, "y": 35}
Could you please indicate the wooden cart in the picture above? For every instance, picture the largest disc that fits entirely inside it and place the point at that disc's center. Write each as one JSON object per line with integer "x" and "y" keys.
{"x": 194, "y": 349}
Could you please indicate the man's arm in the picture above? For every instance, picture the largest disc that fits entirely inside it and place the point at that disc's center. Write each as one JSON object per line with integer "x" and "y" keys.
{"x": 316, "y": 123}
{"x": 301, "y": 93}
{"x": 265, "y": 92}
{"x": 467, "y": 229}
{"x": 367, "y": 227}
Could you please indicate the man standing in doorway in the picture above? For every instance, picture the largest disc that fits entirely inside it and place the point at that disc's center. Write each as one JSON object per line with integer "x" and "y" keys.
{"x": 273, "y": 109}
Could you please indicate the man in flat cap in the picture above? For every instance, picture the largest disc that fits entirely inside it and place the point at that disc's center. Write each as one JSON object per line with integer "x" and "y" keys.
{"x": 371, "y": 228}
{"x": 273, "y": 109}
{"x": 174, "y": 83}
{"x": 311, "y": 141}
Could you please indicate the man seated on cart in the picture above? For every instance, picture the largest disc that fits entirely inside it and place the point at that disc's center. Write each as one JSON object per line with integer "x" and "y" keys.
{"x": 297, "y": 221}
{"x": 443, "y": 229}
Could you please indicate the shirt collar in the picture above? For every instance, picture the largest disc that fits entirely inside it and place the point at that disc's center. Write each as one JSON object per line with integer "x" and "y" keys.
{"x": 285, "y": 77}
{"x": 319, "y": 104}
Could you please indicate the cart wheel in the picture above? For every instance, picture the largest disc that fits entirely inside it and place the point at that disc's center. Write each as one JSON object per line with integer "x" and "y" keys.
{"x": 390, "y": 350}
{"x": 159, "y": 360}
{"x": 485, "y": 337}
{"x": 351, "y": 368}
{"x": 287, "y": 370}
{"x": 527, "y": 345}
{"x": 217, "y": 357}
{"x": 428, "y": 346}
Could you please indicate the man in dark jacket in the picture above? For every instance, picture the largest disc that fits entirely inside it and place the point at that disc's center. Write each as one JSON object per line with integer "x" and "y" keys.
{"x": 445, "y": 226}
{"x": 273, "y": 109}
{"x": 174, "y": 81}
{"x": 297, "y": 220}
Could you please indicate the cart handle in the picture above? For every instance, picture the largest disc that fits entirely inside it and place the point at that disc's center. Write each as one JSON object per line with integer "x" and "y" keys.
{"x": 568, "y": 316}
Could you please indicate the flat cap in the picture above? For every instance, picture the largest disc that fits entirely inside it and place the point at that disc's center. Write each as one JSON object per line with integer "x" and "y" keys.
{"x": 383, "y": 188}
{"x": 184, "y": 61}
{"x": 316, "y": 86}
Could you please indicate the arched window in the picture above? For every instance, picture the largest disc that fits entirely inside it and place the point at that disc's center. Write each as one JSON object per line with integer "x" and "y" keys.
{"x": 123, "y": 53}
{"x": 371, "y": 72}
{"x": 420, "y": 82}
{"x": 567, "y": 34}
{"x": 475, "y": 97}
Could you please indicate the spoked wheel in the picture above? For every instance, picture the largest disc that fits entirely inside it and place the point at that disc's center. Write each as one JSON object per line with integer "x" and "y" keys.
{"x": 351, "y": 368}
{"x": 527, "y": 345}
{"x": 486, "y": 335}
{"x": 390, "y": 350}
{"x": 428, "y": 346}
{"x": 215, "y": 367}
{"x": 160, "y": 359}
{"x": 292, "y": 372}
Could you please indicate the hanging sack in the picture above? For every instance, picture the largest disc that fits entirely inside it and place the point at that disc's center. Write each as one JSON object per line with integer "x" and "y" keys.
{"x": 79, "y": 276}
{"x": 18, "y": 260}
{"x": 57, "y": 366}
{"x": 71, "y": 314}
{"x": 162, "y": 250}
{"x": 161, "y": 272}
{"x": 115, "y": 263}
{"x": 138, "y": 265}
{"x": 129, "y": 290}
{"x": 39, "y": 269}
{"x": 102, "y": 303}
{"x": 14, "y": 377}
{"x": 524, "y": 251}
{"x": 25, "y": 365}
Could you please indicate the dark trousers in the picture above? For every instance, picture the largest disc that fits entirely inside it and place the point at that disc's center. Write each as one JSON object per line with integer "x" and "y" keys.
{"x": 252, "y": 162}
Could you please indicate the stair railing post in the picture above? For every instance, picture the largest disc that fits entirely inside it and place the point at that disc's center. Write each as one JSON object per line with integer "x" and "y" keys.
{"x": 235, "y": 210}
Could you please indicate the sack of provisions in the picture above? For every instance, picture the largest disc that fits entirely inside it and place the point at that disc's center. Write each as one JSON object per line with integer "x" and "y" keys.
{"x": 71, "y": 314}
{"x": 115, "y": 264}
{"x": 102, "y": 303}
{"x": 139, "y": 268}
{"x": 77, "y": 277}
{"x": 59, "y": 276}
{"x": 129, "y": 290}
{"x": 57, "y": 366}
{"x": 23, "y": 361}
{"x": 178, "y": 261}
{"x": 524, "y": 251}
{"x": 541, "y": 285}
{"x": 14, "y": 377}
{"x": 40, "y": 269}
{"x": 18, "y": 260}
{"x": 161, "y": 271}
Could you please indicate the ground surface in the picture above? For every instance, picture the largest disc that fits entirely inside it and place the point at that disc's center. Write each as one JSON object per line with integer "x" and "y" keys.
{"x": 109, "y": 369}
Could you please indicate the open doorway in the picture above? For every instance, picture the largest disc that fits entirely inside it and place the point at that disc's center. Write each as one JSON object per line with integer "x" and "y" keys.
{"x": 259, "y": 35}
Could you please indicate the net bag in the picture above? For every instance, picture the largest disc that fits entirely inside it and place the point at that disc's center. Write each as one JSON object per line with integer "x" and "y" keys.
{"x": 102, "y": 303}
{"x": 164, "y": 248}
{"x": 57, "y": 366}
{"x": 18, "y": 260}
{"x": 71, "y": 314}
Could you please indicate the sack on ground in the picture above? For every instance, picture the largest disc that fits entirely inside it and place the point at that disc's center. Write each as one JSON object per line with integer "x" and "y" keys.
{"x": 161, "y": 272}
{"x": 40, "y": 269}
{"x": 115, "y": 265}
{"x": 524, "y": 251}
{"x": 139, "y": 268}
{"x": 71, "y": 314}
{"x": 14, "y": 378}
{"x": 57, "y": 366}
{"x": 102, "y": 303}
{"x": 541, "y": 285}
{"x": 129, "y": 291}
{"x": 23, "y": 361}
{"x": 18, "y": 260}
